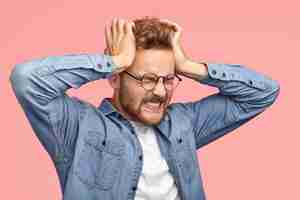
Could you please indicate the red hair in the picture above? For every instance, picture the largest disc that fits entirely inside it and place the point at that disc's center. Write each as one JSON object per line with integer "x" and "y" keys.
{"x": 150, "y": 33}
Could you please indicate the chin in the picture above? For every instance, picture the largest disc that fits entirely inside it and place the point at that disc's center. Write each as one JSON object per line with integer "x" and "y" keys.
{"x": 151, "y": 119}
{"x": 151, "y": 122}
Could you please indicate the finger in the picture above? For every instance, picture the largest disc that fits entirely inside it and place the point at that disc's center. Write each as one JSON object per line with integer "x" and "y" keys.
{"x": 128, "y": 27}
{"x": 108, "y": 37}
{"x": 120, "y": 26}
{"x": 114, "y": 29}
{"x": 132, "y": 25}
{"x": 172, "y": 35}
{"x": 168, "y": 22}
{"x": 177, "y": 27}
{"x": 178, "y": 30}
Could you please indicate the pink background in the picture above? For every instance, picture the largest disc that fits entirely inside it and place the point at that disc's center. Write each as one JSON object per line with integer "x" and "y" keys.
{"x": 260, "y": 160}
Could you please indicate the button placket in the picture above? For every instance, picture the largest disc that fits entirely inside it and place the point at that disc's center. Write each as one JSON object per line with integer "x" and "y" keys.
{"x": 140, "y": 157}
{"x": 179, "y": 140}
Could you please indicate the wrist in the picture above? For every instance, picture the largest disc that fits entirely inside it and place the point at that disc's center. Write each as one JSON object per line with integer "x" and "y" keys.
{"x": 180, "y": 66}
{"x": 192, "y": 69}
{"x": 122, "y": 60}
{"x": 118, "y": 60}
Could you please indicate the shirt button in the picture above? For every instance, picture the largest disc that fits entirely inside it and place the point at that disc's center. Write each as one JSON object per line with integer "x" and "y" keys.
{"x": 214, "y": 72}
{"x": 141, "y": 157}
{"x": 223, "y": 74}
{"x": 250, "y": 82}
{"x": 108, "y": 64}
{"x": 133, "y": 188}
{"x": 99, "y": 65}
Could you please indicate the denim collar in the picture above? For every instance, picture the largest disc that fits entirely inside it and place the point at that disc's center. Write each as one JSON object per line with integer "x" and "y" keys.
{"x": 107, "y": 108}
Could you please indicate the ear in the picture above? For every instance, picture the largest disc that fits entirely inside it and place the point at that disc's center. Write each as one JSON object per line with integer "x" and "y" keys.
{"x": 114, "y": 81}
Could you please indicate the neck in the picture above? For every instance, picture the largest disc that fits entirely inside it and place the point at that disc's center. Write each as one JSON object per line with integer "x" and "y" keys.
{"x": 117, "y": 105}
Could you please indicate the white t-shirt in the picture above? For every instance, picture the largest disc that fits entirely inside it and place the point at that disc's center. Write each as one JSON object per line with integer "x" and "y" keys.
{"x": 155, "y": 182}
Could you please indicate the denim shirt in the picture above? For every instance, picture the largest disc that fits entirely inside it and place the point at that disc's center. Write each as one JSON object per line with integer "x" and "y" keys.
{"x": 96, "y": 151}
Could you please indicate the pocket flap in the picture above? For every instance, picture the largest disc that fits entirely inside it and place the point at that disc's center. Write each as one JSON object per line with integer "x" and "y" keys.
{"x": 100, "y": 142}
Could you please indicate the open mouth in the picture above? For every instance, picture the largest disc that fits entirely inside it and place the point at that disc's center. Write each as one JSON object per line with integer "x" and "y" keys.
{"x": 154, "y": 107}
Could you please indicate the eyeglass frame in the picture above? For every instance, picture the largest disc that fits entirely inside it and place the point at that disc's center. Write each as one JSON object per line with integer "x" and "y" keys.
{"x": 140, "y": 78}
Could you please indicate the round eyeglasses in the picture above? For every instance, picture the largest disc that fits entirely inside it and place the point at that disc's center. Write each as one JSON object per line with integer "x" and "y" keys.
{"x": 149, "y": 80}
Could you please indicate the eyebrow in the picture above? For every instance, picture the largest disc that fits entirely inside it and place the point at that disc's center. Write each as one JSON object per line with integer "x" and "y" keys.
{"x": 154, "y": 73}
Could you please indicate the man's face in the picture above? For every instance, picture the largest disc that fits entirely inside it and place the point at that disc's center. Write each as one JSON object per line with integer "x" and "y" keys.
{"x": 146, "y": 106}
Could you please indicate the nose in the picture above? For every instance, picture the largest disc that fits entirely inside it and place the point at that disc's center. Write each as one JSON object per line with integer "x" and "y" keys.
{"x": 159, "y": 88}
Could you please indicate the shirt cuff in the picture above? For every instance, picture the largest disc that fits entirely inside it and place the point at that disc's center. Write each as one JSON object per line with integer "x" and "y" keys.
{"x": 220, "y": 73}
{"x": 103, "y": 63}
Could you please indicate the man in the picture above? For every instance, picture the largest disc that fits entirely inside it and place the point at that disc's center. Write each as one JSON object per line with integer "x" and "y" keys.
{"x": 135, "y": 145}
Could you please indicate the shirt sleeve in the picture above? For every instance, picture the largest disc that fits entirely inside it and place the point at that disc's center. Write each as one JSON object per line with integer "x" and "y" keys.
{"x": 40, "y": 86}
{"x": 243, "y": 94}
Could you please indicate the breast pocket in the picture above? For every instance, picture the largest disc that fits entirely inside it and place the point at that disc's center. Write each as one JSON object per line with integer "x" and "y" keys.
{"x": 99, "y": 161}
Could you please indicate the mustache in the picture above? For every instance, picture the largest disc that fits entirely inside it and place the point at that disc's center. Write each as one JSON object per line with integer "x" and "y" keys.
{"x": 155, "y": 99}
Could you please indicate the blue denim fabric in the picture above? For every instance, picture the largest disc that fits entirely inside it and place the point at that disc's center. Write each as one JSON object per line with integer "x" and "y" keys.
{"x": 95, "y": 150}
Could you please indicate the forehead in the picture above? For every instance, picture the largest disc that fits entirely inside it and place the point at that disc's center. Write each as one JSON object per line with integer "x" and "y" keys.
{"x": 160, "y": 62}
